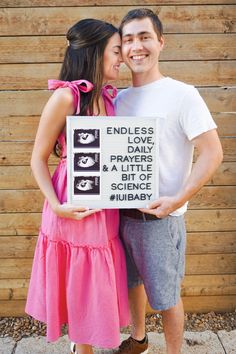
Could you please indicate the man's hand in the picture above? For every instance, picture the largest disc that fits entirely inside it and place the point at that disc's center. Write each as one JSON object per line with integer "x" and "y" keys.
{"x": 162, "y": 207}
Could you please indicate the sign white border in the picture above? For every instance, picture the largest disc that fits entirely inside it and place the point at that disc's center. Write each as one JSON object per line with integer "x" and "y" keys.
{"x": 120, "y": 161}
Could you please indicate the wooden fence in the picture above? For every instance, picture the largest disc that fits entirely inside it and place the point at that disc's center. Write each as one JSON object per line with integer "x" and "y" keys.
{"x": 200, "y": 49}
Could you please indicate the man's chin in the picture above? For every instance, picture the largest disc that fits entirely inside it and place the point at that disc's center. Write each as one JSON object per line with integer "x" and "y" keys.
{"x": 135, "y": 67}
{"x": 136, "y": 70}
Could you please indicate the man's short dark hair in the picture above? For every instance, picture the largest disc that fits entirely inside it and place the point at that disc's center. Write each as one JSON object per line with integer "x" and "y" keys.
{"x": 139, "y": 14}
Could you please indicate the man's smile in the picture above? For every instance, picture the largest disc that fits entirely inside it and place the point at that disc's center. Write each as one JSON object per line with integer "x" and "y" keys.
{"x": 138, "y": 57}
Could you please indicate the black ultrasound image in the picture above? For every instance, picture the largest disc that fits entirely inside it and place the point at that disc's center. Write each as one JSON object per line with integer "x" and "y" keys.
{"x": 87, "y": 161}
{"x": 87, "y": 138}
{"x": 87, "y": 185}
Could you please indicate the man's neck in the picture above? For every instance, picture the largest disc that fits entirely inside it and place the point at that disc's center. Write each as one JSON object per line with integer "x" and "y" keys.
{"x": 141, "y": 79}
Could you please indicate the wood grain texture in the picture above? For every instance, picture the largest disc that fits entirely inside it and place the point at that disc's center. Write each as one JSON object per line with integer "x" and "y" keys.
{"x": 9, "y": 176}
{"x": 13, "y": 289}
{"x": 31, "y": 103}
{"x": 204, "y": 304}
{"x": 17, "y": 247}
{"x": 12, "y": 308}
{"x": 226, "y": 123}
{"x": 20, "y": 224}
{"x": 211, "y": 264}
{"x": 196, "y": 221}
{"x": 220, "y": 99}
{"x": 23, "y": 128}
{"x": 19, "y": 153}
{"x": 193, "y": 285}
{"x": 203, "y": 285}
{"x": 214, "y": 198}
{"x": 201, "y": 304}
{"x": 54, "y": 3}
{"x": 211, "y": 242}
{"x": 57, "y": 20}
{"x": 197, "y": 243}
{"x": 13, "y": 201}
{"x": 229, "y": 148}
{"x": 28, "y": 103}
{"x": 46, "y": 49}
{"x": 205, "y": 73}
{"x": 18, "y": 128}
{"x": 199, "y": 49}
{"x": 210, "y": 220}
{"x": 225, "y": 174}
{"x": 16, "y": 268}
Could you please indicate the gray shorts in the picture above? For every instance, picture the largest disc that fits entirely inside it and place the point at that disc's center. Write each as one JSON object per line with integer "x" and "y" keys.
{"x": 155, "y": 255}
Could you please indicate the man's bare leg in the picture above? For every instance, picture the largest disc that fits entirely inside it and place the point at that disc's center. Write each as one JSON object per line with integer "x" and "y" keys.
{"x": 84, "y": 349}
{"x": 137, "y": 303}
{"x": 173, "y": 325}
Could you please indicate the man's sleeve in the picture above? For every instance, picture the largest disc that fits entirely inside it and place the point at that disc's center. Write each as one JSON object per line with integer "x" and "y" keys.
{"x": 195, "y": 117}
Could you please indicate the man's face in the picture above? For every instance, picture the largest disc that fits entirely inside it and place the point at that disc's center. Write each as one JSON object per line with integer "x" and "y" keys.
{"x": 141, "y": 46}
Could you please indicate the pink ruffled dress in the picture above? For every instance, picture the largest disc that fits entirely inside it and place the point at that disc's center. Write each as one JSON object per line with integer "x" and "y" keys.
{"x": 79, "y": 272}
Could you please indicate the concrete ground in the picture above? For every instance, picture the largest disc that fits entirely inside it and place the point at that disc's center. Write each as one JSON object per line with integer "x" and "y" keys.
{"x": 194, "y": 343}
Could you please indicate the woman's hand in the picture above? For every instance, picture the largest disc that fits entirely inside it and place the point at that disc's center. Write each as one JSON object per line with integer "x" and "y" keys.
{"x": 73, "y": 212}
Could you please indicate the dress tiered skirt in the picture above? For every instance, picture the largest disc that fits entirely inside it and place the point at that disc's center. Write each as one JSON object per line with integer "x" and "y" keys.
{"x": 79, "y": 275}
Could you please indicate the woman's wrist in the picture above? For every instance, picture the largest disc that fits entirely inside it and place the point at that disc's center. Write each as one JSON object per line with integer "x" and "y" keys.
{"x": 55, "y": 206}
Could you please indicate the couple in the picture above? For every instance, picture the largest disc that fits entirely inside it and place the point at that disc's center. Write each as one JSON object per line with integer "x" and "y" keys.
{"x": 79, "y": 270}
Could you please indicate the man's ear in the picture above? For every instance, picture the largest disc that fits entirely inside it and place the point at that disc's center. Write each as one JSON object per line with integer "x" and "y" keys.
{"x": 162, "y": 42}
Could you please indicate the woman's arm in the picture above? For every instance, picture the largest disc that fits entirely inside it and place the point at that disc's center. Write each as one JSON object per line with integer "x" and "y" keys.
{"x": 52, "y": 122}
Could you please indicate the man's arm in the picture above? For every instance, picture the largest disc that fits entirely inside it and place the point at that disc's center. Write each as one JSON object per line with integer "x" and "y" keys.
{"x": 210, "y": 156}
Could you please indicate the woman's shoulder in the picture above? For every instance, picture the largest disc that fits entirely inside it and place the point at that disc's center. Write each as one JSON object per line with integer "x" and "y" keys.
{"x": 63, "y": 97}
{"x": 60, "y": 103}
{"x": 65, "y": 94}
{"x": 69, "y": 91}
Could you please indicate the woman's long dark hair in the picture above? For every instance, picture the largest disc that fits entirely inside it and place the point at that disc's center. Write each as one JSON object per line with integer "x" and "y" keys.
{"x": 87, "y": 40}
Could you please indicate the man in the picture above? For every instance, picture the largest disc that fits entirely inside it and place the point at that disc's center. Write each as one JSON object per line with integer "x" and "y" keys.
{"x": 154, "y": 237}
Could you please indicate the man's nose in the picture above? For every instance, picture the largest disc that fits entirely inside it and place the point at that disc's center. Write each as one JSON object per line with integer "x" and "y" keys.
{"x": 137, "y": 44}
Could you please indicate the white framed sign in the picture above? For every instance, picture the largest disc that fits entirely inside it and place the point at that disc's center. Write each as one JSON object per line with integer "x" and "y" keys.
{"x": 112, "y": 161}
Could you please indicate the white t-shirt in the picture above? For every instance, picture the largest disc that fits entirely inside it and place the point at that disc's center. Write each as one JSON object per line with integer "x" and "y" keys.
{"x": 183, "y": 115}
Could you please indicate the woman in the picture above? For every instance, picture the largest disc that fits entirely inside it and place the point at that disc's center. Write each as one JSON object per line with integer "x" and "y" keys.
{"x": 79, "y": 274}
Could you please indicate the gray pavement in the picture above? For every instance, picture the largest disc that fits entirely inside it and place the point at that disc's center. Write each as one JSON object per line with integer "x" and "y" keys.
{"x": 194, "y": 343}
